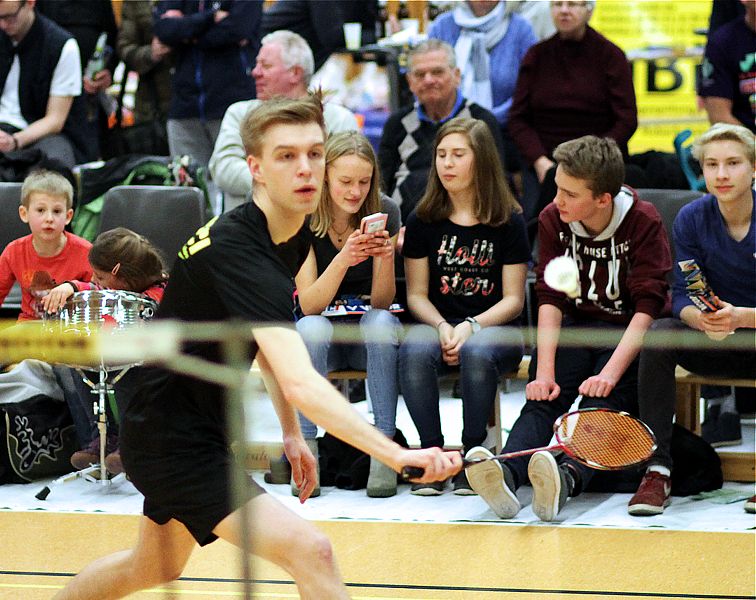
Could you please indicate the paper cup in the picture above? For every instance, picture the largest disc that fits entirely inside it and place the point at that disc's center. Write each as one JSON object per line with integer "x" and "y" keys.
{"x": 353, "y": 35}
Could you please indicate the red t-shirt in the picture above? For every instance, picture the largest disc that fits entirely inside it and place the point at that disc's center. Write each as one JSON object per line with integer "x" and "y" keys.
{"x": 20, "y": 262}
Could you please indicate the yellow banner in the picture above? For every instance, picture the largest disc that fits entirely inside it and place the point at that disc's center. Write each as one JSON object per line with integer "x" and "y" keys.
{"x": 664, "y": 40}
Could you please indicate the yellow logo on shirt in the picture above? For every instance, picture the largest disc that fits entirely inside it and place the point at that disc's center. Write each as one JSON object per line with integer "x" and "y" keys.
{"x": 199, "y": 241}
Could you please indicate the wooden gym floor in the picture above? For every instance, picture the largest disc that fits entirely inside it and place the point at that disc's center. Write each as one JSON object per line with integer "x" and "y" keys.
{"x": 381, "y": 560}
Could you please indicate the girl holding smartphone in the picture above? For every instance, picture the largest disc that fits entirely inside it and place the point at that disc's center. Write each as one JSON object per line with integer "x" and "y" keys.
{"x": 465, "y": 259}
{"x": 349, "y": 266}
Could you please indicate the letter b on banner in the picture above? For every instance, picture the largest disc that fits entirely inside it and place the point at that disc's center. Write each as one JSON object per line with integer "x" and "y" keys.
{"x": 663, "y": 76}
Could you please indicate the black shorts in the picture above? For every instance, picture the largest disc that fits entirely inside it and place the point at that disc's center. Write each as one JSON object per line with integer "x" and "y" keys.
{"x": 191, "y": 487}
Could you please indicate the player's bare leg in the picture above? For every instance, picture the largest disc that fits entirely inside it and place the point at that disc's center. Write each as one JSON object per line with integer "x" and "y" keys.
{"x": 159, "y": 557}
{"x": 292, "y": 543}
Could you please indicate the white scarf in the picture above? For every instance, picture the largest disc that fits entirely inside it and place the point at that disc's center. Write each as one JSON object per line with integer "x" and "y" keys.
{"x": 478, "y": 36}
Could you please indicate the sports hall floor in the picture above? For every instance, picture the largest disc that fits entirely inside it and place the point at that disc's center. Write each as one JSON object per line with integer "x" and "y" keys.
{"x": 445, "y": 547}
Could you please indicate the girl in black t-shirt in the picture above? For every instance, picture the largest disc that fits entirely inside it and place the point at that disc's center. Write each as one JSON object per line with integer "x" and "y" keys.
{"x": 346, "y": 264}
{"x": 465, "y": 255}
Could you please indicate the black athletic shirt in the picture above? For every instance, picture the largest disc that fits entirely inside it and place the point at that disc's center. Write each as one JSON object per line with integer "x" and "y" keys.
{"x": 466, "y": 262}
{"x": 229, "y": 269}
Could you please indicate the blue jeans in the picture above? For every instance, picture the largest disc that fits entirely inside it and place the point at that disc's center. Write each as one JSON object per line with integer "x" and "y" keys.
{"x": 377, "y": 356}
{"x": 484, "y": 357}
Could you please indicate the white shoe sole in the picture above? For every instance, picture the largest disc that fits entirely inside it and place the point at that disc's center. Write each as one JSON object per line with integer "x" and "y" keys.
{"x": 543, "y": 473}
{"x": 426, "y": 491}
{"x": 646, "y": 510}
{"x": 487, "y": 479}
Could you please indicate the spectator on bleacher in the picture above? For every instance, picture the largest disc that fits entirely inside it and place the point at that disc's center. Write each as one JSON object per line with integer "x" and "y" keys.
{"x": 321, "y": 22}
{"x": 573, "y": 84}
{"x": 214, "y": 46}
{"x": 622, "y": 257}
{"x": 718, "y": 232}
{"x": 284, "y": 68}
{"x": 405, "y": 154}
{"x": 465, "y": 254}
{"x": 142, "y": 52}
{"x": 40, "y": 75}
{"x": 49, "y": 255}
{"x": 728, "y": 77}
{"x": 489, "y": 45}
{"x": 348, "y": 267}
{"x": 85, "y": 20}
{"x": 121, "y": 260}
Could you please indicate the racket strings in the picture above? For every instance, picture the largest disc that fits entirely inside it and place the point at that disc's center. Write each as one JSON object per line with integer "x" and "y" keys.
{"x": 605, "y": 439}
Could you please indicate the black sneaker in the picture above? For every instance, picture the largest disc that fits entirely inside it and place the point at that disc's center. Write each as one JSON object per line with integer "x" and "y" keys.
{"x": 462, "y": 485}
{"x": 435, "y": 488}
{"x": 551, "y": 485}
{"x": 722, "y": 431}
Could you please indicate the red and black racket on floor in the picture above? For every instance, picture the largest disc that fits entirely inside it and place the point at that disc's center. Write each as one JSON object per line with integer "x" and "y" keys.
{"x": 600, "y": 438}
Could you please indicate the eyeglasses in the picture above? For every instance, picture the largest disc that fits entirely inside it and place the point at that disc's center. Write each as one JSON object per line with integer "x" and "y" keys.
{"x": 11, "y": 17}
{"x": 570, "y": 4}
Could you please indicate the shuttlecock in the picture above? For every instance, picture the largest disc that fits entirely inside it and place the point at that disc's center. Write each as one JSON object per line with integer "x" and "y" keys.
{"x": 561, "y": 274}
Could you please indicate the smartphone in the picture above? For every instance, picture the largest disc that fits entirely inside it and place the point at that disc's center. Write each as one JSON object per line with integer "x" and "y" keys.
{"x": 373, "y": 223}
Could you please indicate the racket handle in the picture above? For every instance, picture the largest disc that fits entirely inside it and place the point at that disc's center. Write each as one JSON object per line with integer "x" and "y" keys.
{"x": 408, "y": 473}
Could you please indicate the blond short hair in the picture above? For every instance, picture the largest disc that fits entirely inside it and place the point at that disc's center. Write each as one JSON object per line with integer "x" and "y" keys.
{"x": 41, "y": 181}
{"x": 277, "y": 111}
{"x": 725, "y": 132}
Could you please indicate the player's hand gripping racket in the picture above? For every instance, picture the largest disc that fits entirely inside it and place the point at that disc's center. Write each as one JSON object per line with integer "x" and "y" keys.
{"x": 600, "y": 438}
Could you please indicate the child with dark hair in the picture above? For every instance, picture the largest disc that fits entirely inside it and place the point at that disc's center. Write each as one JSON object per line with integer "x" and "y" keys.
{"x": 121, "y": 260}
{"x": 621, "y": 257}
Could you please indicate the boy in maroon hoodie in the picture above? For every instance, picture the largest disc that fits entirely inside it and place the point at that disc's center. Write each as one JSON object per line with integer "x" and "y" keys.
{"x": 622, "y": 255}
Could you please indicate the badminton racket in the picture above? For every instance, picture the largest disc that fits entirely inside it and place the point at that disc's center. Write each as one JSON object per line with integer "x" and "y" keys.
{"x": 600, "y": 438}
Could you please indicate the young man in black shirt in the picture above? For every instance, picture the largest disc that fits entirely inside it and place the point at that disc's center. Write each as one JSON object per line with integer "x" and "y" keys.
{"x": 173, "y": 436}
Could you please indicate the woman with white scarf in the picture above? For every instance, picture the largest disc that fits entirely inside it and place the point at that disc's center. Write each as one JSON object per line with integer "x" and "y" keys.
{"x": 489, "y": 45}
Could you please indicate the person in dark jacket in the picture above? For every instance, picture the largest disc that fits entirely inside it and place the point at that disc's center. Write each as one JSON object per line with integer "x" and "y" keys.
{"x": 86, "y": 20}
{"x": 215, "y": 45}
{"x": 40, "y": 79}
{"x": 620, "y": 258}
{"x": 145, "y": 54}
{"x": 321, "y": 22}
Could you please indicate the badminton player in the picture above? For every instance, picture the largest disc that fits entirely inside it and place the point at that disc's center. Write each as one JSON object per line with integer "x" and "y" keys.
{"x": 174, "y": 445}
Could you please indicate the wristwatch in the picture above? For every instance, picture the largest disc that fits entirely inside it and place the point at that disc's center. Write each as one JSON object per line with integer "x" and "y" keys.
{"x": 473, "y": 323}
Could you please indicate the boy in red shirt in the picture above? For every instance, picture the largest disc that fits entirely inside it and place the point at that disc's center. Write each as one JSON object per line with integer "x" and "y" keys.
{"x": 49, "y": 255}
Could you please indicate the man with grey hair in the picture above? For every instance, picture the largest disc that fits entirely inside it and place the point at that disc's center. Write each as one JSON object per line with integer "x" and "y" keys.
{"x": 406, "y": 150}
{"x": 284, "y": 68}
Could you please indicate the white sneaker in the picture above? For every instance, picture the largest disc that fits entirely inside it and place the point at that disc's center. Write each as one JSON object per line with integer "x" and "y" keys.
{"x": 488, "y": 479}
{"x": 549, "y": 488}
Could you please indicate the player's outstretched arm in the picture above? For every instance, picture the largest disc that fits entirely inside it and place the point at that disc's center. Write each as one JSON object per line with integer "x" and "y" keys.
{"x": 303, "y": 464}
{"x": 301, "y": 386}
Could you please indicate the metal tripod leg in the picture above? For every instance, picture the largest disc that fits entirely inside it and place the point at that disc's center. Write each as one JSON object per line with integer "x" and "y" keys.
{"x": 94, "y": 473}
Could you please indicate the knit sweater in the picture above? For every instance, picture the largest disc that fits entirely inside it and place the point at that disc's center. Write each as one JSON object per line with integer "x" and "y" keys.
{"x": 567, "y": 89}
